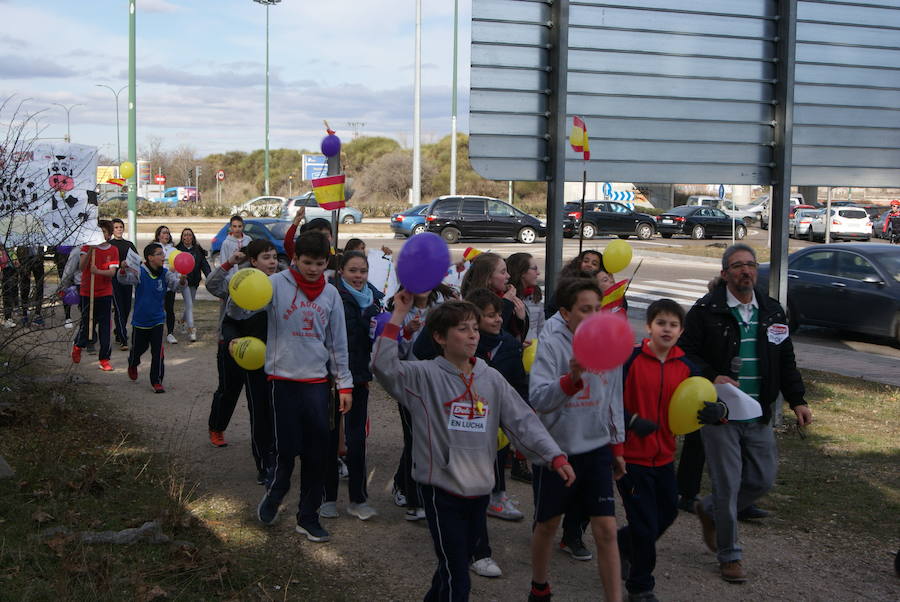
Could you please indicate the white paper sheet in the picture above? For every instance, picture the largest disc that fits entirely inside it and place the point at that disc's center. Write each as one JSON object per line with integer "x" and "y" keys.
{"x": 740, "y": 405}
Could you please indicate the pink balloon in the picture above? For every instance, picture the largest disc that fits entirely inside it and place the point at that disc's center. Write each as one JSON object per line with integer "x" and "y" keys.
{"x": 603, "y": 341}
{"x": 184, "y": 263}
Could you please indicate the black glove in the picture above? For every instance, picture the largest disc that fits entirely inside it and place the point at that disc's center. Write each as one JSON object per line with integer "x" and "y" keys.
{"x": 641, "y": 426}
{"x": 713, "y": 413}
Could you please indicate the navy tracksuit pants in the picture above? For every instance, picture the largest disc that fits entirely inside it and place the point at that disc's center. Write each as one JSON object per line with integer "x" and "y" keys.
{"x": 355, "y": 435}
{"x": 403, "y": 479}
{"x": 231, "y": 382}
{"x": 455, "y": 523}
{"x": 102, "y": 319}
{"x": 649, "y": 495}
{"x": 122, "y": 295}
{"x": 141, "y": 339}
{"x": 262, "y": 430}
{"x": 301, "y": 417}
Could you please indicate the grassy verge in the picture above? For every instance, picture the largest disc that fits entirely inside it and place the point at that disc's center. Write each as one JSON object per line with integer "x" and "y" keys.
{"x": 843, "y": 476}
{"x": 81, "y": 469}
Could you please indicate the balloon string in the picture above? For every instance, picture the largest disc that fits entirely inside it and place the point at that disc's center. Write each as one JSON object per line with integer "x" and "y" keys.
{"x": 633, "y": 274}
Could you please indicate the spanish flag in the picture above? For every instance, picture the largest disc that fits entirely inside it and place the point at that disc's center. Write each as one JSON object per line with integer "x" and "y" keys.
{"x": 614, "y": 297}
{"x": 579, "y": 138}
{"x": 329, "y": 192}
{"x": 116, "y": 181}
{"x": 471, "y": 253}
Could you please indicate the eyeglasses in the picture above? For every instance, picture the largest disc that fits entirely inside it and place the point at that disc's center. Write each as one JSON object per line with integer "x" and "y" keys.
{"x": 743, "y": 264}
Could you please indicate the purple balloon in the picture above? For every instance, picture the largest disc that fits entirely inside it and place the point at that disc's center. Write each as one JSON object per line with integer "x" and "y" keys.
{"x": 331, "y": 145}
{"x": 422, "y": 262}
{"x": 71, "y": 297}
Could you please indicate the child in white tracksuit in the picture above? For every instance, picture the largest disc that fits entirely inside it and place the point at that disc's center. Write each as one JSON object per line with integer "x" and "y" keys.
{"x": 457, "y": 403}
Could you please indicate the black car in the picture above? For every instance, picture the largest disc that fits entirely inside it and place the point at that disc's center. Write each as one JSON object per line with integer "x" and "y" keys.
{"x": 699, "y": 222}
{"x": 851, "y": 286}
{"x": 607, "y": 217}
{"x": 455, "y": 217}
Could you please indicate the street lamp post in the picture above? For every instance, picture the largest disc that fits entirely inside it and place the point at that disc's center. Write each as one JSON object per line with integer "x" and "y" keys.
{"x": 267, "y": 3}
{"x": 68, "y": 110}
{"x": 118, "y": 138}
{"x": 453, "y": 116}
{"x": 417, "y": 98}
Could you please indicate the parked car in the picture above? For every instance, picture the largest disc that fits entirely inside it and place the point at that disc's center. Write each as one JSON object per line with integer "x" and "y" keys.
{"x": 347, "y": 215}
{"x": 699, "y": 222}
{"x": 410, "y": 222}
{"x": 455, "y": 217}
{"x": 878, "y": 229}
{"x": 261, "y": 206}
{"x": 764, "y": 222}
{"x": 796, "y": 201}
{"x": 265, "y": 228}
{"x": 847, "y": 223}
{"x": 609, "y": 217}
{"x": 798, "y": 224}
{"x": 727, "y": 206}
{"x": 852, "y": 286}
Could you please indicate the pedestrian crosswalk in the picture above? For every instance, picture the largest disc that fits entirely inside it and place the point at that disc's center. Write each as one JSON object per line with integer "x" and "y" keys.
{"x": 685, "y": 291}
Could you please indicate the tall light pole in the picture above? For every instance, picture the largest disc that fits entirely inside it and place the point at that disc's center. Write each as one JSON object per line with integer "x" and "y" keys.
{"x": 417, "y": 100}
{"x": 68, "y": 110}
{"x": 118, "y": 138}
{"x": 132, "y": 117}
{"x": 453, "y": 116}
{"x": 267, "y": 4}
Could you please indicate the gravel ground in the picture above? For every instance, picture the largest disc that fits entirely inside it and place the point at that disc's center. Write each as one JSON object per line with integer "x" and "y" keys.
{"x": 390, "y": 558}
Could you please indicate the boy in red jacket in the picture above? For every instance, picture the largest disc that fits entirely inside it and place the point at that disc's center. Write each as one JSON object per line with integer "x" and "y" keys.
{"x": 648, "y": 488}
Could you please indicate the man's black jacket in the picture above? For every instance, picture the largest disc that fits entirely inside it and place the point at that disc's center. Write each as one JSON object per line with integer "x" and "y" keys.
{"x": 712, "y": 338}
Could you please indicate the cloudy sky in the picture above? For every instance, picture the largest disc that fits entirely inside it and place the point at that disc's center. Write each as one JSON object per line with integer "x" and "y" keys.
{"x": 201, "y": 66}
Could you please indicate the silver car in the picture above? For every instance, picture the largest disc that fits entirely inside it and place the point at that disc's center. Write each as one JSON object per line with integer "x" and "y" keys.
{"x": 348, "y": 215}
{"x": 798, "y": 225}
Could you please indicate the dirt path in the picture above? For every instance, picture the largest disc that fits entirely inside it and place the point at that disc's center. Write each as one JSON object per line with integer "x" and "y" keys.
{"x": 390, "y": 558}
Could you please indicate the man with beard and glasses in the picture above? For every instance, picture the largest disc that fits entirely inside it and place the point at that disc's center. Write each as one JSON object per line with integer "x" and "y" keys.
{"x": 737, "y": 334}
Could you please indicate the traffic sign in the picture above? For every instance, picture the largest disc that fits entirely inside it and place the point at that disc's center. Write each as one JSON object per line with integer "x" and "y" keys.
{"x": 220, "y": 175}
{"x": 160, "y": 179}
{"x": 607, "y": 189}
{"x": 314, "y": 166}
{"x": 721, "y": 191}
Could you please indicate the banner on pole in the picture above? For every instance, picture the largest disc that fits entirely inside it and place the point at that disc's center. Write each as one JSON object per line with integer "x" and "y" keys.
{"x": 49, "y": 196}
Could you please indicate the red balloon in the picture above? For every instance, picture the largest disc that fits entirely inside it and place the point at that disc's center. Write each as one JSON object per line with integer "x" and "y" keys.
{"x": 184, "y": 263}
{"x": 603, "y": 341}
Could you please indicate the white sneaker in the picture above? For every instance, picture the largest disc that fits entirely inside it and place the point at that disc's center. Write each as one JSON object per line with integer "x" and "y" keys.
{"x": 12, "y": 323}
{"x": 171, "y": 339}
{"x": 414, "y": 514}
{"x": 193, "y": 335}
{"x": 362, "y": 511}
{"x": 501, "y": 506}
{"x": 343, "y": 471}
{"x": 69, "y": 325}
{"x": 399, "y": 498}
{"x": 328, "y": 510}
{"x": 486, "y": 567}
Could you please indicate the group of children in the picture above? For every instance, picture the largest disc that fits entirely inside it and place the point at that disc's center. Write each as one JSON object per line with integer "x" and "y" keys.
{"x": 453, "y": 362}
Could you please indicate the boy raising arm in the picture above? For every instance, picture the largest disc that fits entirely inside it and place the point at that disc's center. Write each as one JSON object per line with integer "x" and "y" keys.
{"x": 457, "y": 403}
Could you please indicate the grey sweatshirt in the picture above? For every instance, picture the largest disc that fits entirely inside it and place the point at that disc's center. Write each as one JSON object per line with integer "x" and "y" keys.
{"x": 306, "y": 339}
{"x": 580, "y": 418}
{"x": 455, "y": 425}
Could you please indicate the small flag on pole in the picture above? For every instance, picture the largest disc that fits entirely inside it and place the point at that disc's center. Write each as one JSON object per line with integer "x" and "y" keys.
{"x": 579, "y": 138}
{"x": 614, "y": 296}
{"x": 329, "y": 192}
{"x": 116, "y": 181}
{"x": 471, "y": 253}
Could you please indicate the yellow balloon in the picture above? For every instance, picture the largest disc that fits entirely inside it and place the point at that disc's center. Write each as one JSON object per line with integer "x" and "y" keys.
{"x": 528, "y": 355}
{"x": 250, "y": 289}
{"x": 617, "y": 256}
{"x": 171, "y": 258}
{"x": 126, "y": 169}
{"x": 687, "y": 400}
{"x": 248, "y": 352}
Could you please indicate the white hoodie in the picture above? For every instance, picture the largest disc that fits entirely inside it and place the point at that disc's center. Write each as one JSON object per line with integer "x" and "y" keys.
{"x": 582, "y": 418}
